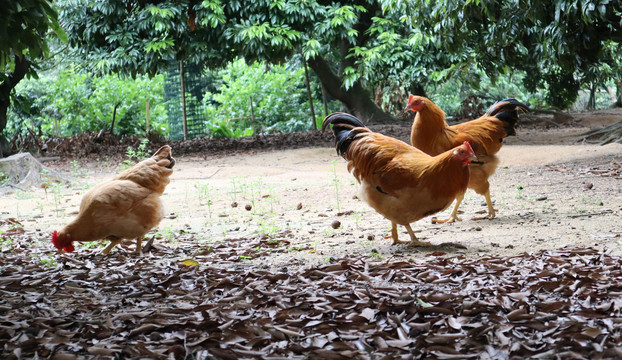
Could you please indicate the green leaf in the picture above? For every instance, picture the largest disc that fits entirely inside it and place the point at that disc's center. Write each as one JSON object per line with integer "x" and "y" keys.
{"x": 190, "y": 262}
{"x": 58, "y": 30}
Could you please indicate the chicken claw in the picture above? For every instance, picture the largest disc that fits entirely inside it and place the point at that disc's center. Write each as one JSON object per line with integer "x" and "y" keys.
{"x": 395, "y": 236}
{"x": 454, "y": 213}
{"x": 490, "y": 216}
{"x": 491, "y": 209}
{"x": 417, "y": 243}
{"x": 449, "y": 220}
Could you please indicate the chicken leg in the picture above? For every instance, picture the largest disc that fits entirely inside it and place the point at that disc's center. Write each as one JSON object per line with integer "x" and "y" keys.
{"x": 113, "y": 242}
{"x": 454, "y": 213}
{"x": 491, "y": 209}
{"x": 139, "y": 241}
{"x": 413, "y": 239}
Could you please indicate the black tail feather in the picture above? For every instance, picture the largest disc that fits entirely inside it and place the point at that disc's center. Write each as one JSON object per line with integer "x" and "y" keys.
{"x": 346, "y": 127}
{"x": 507, "y": 111}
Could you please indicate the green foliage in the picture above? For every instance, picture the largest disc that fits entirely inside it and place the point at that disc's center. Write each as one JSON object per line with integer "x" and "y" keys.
{"x": 222, "y": 129}
{"x": 356, "y": 48}
{"x": 278, "y": 94}
{"x": 449, "y": 95}
{"x": 67, "y": 102}
{"x": 24, "y": 25}
{"x": 135, "y": 155}
{"x": 24, "y": 37}
{"x": 561, "y": 45}
{"x": 564, "y": 89}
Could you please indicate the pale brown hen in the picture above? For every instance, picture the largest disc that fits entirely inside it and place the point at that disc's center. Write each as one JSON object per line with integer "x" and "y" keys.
{"x": 126, "y": 207}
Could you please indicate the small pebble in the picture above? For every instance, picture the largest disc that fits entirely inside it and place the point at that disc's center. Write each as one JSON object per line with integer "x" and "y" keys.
{"x": 335, "y": 224}
{"x": 248, "y": 207}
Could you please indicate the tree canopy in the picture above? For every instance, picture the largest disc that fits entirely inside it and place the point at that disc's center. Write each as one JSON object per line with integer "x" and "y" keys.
{"x": 353, "y": 47}
{"x": 140, "y": 37}
{"x": 560, "y": 44}
{"x": 357, "y": 49}
{"x": 24, "y": 26}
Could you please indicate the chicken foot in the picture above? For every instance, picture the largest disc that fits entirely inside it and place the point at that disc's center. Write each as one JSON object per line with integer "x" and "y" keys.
{"x": 491, "y": 209}
{"x": 454, "y": 213}
{"x": 413, "y": 239}
{"x": 114, "y": 242}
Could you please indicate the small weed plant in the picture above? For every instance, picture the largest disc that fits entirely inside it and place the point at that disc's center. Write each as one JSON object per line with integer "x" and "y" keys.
{"x": 135, "y": 155}
{"x": 204, "y": 193}
{"x": 5, "y": 242}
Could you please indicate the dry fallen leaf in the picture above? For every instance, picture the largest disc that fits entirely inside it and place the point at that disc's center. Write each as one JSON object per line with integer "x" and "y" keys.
{"x": 527, "y": 306}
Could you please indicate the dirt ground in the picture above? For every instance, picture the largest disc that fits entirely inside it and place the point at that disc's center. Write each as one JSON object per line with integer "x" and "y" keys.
{"x": 551, "y": 191}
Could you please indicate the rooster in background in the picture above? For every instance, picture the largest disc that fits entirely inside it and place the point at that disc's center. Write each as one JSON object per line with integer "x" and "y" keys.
{"x": 431, "y": 134}
{"x": 399, "y": 181}
{"x": 126, "y": 207}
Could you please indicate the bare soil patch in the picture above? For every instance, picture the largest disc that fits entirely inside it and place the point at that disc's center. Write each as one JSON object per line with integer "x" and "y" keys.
{"x": 551, "y": 191}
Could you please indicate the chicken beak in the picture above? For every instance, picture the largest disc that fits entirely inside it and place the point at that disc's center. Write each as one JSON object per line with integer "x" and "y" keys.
{"x": 473, "y": 159}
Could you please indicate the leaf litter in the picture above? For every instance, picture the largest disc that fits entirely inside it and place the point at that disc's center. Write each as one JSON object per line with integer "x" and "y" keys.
{"x": 206, "y": 302}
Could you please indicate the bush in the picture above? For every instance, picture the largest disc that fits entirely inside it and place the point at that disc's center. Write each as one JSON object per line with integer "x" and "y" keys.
{"x": 279, "y": 96}
{"x": 65, "y": 103}
{"x": 449, "y": 95}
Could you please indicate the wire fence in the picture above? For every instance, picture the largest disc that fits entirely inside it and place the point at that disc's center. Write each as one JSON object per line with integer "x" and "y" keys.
{"x": 195, "y": 83}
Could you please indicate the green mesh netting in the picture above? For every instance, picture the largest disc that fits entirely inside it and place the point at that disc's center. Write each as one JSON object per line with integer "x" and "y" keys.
{"x": 196, "y": 84}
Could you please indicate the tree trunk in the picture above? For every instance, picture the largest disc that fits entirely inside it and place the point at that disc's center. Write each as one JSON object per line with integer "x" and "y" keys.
{"x": 25, "y": 172}
{"x": 356, "y": 99}
{"x": 21, "y": 69}
{"x": 591, "y": 103}
{"x": 309, "y": 95}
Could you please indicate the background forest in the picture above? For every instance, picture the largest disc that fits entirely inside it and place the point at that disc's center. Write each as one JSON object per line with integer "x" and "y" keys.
{"x": 280, "y": 66}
